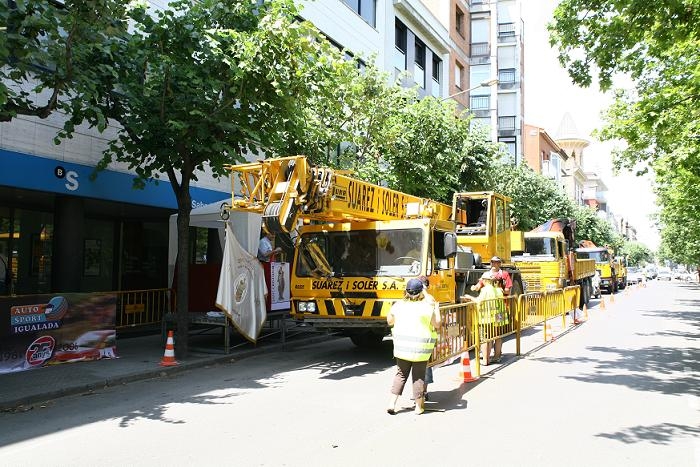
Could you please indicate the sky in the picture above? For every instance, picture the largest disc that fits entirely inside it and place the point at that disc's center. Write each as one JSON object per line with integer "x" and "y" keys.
{"x": 549, "y": 94}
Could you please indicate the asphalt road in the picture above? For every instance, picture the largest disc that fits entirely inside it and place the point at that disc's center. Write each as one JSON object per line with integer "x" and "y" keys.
{"x": 621, "y": 390}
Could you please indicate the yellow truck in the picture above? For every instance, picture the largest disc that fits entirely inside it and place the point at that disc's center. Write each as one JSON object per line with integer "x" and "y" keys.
{"x": 482, "y": 221}
{"x": 548, "y": 263}
{"x": 604, "y": 265}
{"x": 621, "y": 271}
{"x": 357, "y": 243}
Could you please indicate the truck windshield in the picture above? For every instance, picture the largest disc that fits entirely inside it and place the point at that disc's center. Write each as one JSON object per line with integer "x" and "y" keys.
{"x": 364, "y": 253}
{"x": 541, "y": 246}
{"x": 598, "y": 256}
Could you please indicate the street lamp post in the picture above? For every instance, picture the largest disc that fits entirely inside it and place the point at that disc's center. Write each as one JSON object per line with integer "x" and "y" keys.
{"x": 483, "y": 84}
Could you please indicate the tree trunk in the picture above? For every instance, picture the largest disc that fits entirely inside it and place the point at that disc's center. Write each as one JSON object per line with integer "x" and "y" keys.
{"x": 184, "y": 207}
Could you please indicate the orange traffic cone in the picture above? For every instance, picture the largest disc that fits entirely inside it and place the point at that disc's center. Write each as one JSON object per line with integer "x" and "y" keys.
{"x": 169, "y": 356}
{"x": 602, "y": 303}
{"x": 585, "y": 312}
{"x": 465, "y": 374}
{"x": 612, "y": 297}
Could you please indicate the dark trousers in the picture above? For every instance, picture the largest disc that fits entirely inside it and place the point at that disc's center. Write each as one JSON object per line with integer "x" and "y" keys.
{"x": 417, "y": 371}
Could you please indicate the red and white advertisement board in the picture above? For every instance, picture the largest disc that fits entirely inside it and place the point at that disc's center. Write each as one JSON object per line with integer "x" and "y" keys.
{"x": 40, "y": 330}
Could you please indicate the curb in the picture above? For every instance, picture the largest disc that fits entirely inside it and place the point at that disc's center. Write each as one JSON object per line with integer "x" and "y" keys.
{"x": 23, "y": 403}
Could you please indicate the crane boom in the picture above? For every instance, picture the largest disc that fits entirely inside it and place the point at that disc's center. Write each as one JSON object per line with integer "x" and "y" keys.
{"x": 288, "y": 188}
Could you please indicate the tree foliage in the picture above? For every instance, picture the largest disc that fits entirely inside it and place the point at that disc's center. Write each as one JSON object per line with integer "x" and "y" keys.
{"x": 535, "y": 198}
{"x": 590, "y": 226}
{"x": 53, "y": 54}
{"x": 679, "y": 218}
{"x": 637, "y": 254}
{"x": 658, "y": 120}
{"x": 386, "y": 134}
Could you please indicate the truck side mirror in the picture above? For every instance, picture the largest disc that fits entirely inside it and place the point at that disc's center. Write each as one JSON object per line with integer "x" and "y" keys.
{"x": 450, "y": 242}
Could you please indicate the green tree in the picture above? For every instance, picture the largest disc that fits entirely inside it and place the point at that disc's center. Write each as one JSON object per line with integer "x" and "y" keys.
{"x": 51, "y": 52}
{"x": 590, "y": 226}
{"x": 657, "y": 47}
{"x": 678, "y": 218}
{"x": 536, "y": 199}
{"x": 637, "y": 253}
{"x": 385, "y": 134}
{"x": 429, "y": 150}
{"x": 196, "y": 86}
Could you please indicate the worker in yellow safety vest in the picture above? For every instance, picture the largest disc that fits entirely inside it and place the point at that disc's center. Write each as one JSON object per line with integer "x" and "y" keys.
{"x": 414, "y": 322}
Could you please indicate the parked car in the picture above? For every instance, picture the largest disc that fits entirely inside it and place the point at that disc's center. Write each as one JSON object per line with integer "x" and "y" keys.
{"x": 664, "y": 274}
{"x": 651, "y": 271}
{"x": 634, "y": 275}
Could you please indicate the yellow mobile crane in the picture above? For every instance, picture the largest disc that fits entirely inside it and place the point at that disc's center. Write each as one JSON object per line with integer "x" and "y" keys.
{"x": 357, "y": 244}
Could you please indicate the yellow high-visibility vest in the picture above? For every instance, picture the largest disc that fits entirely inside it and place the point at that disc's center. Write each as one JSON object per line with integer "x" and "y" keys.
{"x": 414, "y": 336}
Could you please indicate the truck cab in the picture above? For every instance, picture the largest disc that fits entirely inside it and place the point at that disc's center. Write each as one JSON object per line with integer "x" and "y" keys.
{"x": 547, "y": 263}
{"x": 543, "y": 262}
{"x": 482, "y": 223}
{"x": 605, "y": 267}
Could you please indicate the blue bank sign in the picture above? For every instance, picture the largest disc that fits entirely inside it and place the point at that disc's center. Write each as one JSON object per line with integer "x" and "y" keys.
{"x": 43, "y": 174}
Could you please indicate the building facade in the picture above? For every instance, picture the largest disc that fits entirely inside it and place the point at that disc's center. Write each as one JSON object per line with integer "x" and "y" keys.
{"x": 403, "y": 37}
{"x": 496, "y": 50}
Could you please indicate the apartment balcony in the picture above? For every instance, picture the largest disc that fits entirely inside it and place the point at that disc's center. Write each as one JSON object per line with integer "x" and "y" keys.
{"x": 480, "y": 53}
{"x": 506, "y": 32}
{"x": 477, "y": 103}
{"x": 506, "y": 125}
{"x": 507, "y": 78}
{"x": 477, "y": 6}
{"x": 480, "y": 49}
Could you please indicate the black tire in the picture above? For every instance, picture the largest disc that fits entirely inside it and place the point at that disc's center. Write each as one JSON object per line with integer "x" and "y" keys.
{"x": 623, "y": 284}
{"x": 367, "y": 338}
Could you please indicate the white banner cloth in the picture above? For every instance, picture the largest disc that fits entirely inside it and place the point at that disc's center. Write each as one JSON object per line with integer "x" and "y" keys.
{"x": 242, "y": 288}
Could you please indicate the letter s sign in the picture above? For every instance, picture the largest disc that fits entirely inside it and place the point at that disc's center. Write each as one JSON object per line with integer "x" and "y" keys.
{"x": 72, "y": 183}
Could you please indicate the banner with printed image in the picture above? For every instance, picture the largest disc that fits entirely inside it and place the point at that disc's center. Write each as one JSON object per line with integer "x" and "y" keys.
{"x": 40, "y": 330}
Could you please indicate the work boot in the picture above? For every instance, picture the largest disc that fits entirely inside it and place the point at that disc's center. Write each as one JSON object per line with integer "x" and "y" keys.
{"x": 420, "y": 407}
{"x": 391, "y": 407}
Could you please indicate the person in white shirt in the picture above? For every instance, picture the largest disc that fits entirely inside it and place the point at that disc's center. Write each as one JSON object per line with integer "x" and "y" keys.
{"x": 266, "y": 248}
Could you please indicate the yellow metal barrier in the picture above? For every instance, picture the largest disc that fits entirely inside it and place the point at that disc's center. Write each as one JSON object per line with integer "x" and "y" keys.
{"x": 455, "y": 336}
{"x": 142, "y": 307}
{"x": 467, "y": 325}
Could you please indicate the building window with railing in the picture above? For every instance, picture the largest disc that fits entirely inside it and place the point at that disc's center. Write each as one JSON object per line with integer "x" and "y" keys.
{"x": 480, "y": 49}
{"x": 506, "y": 29}
{"x": 479, "y": 102}
{"x": 400, "y": 41}
{"x": 506, "y": 123}
{"x": 506, "y": 76}
{"x": 419, "y": 64}
{"x": 367, "y": 9}
{"x": 436, "y": 72}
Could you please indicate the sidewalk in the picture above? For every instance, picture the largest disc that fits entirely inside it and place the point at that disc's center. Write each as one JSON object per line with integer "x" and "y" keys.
{"x": 139, "y": 359}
